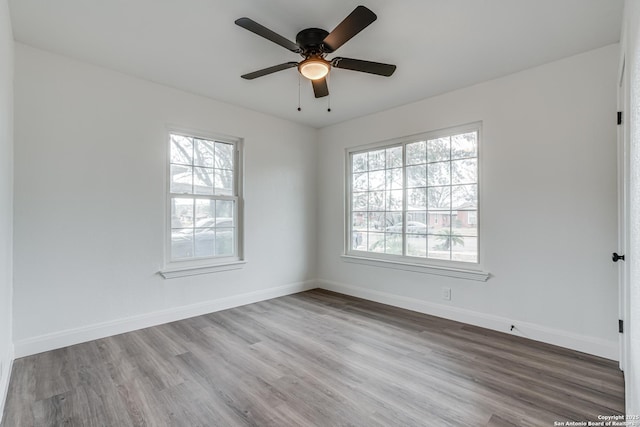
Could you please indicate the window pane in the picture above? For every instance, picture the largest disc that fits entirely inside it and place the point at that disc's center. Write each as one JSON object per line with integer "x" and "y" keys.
{"x": 392, "y": 226}
{"x": 472, "y": 217}
{"x": 417, "y": 199}
{"x": 416, "y": 153}
{"x": 224, "y": 211}
{"x": 439, "y": 198}
{"x": 202, "y": 181}
{"x": 224, "y": 241}
{"x": 377, "y": 180}
{"x": 376, "y": 242}
{"x": 377, "y": 221}
{"x": 377, "y": 159}
{"x": 181, "y": 179}
{"x": 358, "y": 221}
{"x": 417, "y": 245}
{"x": 181, "y": 243}
{"x": 203, "y": 153}
{"x": 466, "y": 250}
{"x": 360, "y": 182}
{"x": 464, "y": 197}
{"x": 394, "y": 157}
{"x": 465, "y": 223}
{"x": 438, "y": 174}
{"x": 393, "y": 222}
{"x": 439, "y": 222}
{"x": 438, "y": 246}
{"x": 376, "y": 201}
{"x": 360, "y": 162}
{"x": 224, "y": 156}
{"x": 205, "y": 212}
{"x": 464, "y": 171}
{"x": 359, "y": 242}
{"x": 416, "y": 176}
{"x": 181, "y": 212}
{"x": 181, "y": 150}
{"x": 360, "y": 201}
{"x": 464, "y": 145}
{"x": 393, "y": 243}
{"x": 204, "y": 240}
{"x": 394, "y": 179}
{"x": 223, "y": 182}
{"x": 394, "y": 200}
{"x": 438, "y": 149}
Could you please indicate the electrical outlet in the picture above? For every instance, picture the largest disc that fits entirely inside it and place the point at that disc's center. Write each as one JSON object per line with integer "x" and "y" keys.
{"x": 446, "y": 294}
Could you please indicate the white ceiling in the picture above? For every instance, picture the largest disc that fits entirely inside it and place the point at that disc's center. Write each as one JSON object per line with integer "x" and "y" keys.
{"x": 438, "y": 45}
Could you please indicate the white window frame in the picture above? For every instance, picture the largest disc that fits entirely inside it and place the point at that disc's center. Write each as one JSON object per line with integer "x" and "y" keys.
{"x": 459, "y": 269}
{"x": 204, "y": 265}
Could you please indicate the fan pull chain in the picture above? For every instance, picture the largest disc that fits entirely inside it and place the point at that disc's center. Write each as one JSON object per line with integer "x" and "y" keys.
{"x": 328, "y": 97}
{"x": 299, "y": 109}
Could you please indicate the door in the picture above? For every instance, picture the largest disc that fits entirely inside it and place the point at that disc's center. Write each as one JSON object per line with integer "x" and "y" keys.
{"x": 623, "y": 211}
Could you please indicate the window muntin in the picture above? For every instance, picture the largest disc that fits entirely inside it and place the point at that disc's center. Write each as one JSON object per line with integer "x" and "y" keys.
{"x": 203, "y": 198}
{"x": 431, "y": 184}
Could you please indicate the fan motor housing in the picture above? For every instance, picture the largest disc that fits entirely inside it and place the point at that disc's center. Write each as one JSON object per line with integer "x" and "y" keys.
{"x": 310, "y": 40}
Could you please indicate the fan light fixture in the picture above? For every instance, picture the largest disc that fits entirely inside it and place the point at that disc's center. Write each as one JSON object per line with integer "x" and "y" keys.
{"x": 314, "y": 68}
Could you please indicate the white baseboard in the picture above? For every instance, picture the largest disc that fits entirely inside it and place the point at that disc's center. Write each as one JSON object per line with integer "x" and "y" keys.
{"x": 82, "y": 334}
{"x": 583, "y": 343}
{"x": 5, "y": 377}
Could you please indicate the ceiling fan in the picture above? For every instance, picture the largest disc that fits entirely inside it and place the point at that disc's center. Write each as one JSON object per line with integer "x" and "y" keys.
{"x": 314, "y": 44}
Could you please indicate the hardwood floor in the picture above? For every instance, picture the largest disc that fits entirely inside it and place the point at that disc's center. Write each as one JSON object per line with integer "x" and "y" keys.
{"x": 312, "y": 359}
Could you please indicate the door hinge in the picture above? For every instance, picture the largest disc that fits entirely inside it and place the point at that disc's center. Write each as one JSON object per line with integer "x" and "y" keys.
{"x": 619, "y": 117}
{"x": 620, "y": 326}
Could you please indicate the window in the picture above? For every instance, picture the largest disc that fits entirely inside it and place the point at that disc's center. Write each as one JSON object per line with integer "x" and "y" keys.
{"x": 204, "y": 199}
{"x": 416, "y": 199}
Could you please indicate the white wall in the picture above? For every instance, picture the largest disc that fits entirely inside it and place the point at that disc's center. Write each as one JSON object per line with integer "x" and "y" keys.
{"x": 631, "y": 43}
{"x": 90, "y": 203}
{"x": 6, "y": 197}
{"x": 548, "y": 204}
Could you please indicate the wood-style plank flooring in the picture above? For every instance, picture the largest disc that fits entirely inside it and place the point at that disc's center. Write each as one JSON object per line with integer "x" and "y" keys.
{"x": 312, "y": 359}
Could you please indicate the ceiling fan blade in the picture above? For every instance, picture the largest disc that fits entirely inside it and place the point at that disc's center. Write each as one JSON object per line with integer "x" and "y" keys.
{"x": 364, "y": 66}
{"x": 254, "y": 27}
{"x": 269, "y": 70}
{"x": 320, "y": 87}
{"x": 358, "y": 20}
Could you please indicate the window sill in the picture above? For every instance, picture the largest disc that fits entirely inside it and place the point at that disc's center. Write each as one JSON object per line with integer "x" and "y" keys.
{"x": 172, "y": 273}
{"x": 460, "y": 273}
